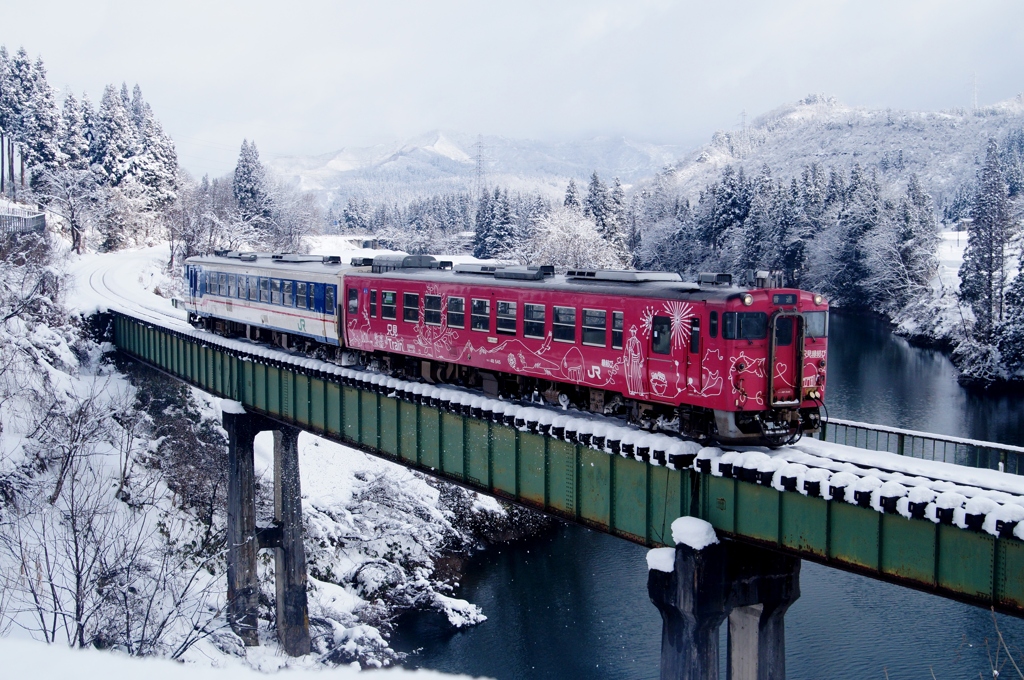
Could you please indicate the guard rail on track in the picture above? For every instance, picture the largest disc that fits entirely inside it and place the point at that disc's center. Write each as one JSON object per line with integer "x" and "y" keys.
{"x": 924, "y": 445}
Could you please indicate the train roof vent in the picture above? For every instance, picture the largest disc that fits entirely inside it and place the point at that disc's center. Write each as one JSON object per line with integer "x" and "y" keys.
{"x": 714, "y": 279}
{"x": 473, "y": 268}
{"x": 387, "y": 263}
{"x": 296, "y": 257}
{"x": 525, "y": 273}
{"x": 621, "y": 275}
{"x": 244, "y": 256}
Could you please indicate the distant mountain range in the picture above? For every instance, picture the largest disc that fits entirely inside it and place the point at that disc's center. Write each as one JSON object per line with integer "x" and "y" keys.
{"x": 944, "y": 148}
{"x": 446, "y": 161}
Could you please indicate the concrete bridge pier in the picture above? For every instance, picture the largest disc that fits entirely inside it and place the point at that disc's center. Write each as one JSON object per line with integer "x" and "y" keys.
{"x": 284, "y": 536}
{"x": 750, "y": 586}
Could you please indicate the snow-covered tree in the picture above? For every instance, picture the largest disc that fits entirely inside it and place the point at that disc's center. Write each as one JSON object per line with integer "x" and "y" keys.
{"x": 73, "y": 140}
{"x": 41, "y": 127}
{"x": 157, "y": 160}
{"x": 250, "y": 185}
{"x": 983, "y": 275}
{"x": 115, "y": 144}
{"x": 572, "y": 196}
{"x": 568, "y": 240}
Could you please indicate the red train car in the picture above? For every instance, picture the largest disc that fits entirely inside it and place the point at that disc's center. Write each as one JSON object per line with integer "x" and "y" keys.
{"x": 707, "y": 359}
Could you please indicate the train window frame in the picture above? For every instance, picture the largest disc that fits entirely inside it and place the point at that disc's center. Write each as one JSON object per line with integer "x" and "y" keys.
{"x": 231, "y": 285}
{"x": 458, "y": 313}
{"x": 480, "y": 320}
{"x": 329, "y": 303}
{"x": 510, "y": 313}
{"x": 618, "y": 328}
{"x": 591, "y": 329}
{"x": 287, "y": 299}
{"x": 811, "y": 324}
{"x": 695, "y": 335}
{"x": 242, "y": 287}
{"x": 275, "y": 291}
{"x": 661, "y": 335}
{"x": 254, "y": 288}
{"x": 300, "y": 294}
{"x": 373, "y": 303}
{"x": 222, "y": 284}
{"x": 530, "y": 321}
{"x": 559, "y": 327}
{"x": 432, "y": 310}
{"x": 411, "y": 307}
{"x": 264, "y": 289}
{"x": 784, "y": 338}
{"x": 713, "y": 324}
{"x": 385, "y": 307}
{"x": 735, "y": 328}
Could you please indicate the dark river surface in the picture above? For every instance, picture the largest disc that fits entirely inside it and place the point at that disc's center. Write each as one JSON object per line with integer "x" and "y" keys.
{"x": 573, "y": 603}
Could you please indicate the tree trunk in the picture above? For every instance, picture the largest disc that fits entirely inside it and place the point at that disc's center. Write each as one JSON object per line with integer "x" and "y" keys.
{"x": 3, "y": 157}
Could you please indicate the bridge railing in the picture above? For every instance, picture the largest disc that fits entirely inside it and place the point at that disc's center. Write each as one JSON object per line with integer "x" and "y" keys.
{"x": 925, "y": 445}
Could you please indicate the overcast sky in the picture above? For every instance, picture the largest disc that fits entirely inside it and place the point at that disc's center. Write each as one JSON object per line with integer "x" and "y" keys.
{"x": 312, "y": 77}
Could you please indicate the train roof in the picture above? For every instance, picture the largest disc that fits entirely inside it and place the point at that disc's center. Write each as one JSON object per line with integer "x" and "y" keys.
{"x": 290, "y": 262}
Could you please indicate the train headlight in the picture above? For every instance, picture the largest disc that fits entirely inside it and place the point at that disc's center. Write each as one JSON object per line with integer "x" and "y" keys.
{"x": 818, "y": 299}
{"x": 748, "y": 299}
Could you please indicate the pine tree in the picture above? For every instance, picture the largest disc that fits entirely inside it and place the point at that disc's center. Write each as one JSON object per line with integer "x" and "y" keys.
{"x": 20, "y": 84}
{"x": 595, "y": 204}
{"x": 983, "y": 274}
{"x": 250, "y": 186}
{"x": 42, "y": 127}
{"x": 484, "y": 226}
{"x": 73, "y": 142}
{"x": 114, "y": 145}
{"x": 572, "y": 196}
{"x": 860, "y": 214}
{"x": 6, "y": 114}
{"x": 1011, "y": 333}
{"x": 157, "y": 161}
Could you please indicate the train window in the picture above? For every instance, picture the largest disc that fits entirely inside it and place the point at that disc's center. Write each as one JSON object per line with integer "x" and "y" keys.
{"x": 275, "y": 291}
{"x": 329, "y": 300}
{"x": 253, "y": 288}
{"x": 661, "y": 335}
{"x": 223, "y": 278}
{"x": 506, "y": 318}
{"x": 784, "y": 331}
{"x": 432, "y": 310}
{"x": 241, "y": 288}
{"x": 713, "y": 325}
{"x": 411, "y": 307}
{"x": 300, "y": 295}
{"x": 389, "y": 305}
{"x": 373, "y": 304}
{"x": 231, "y": 285}
{"x": 595, "y": 325}
{"x": 694, "y": 335}
{"x": 456, "y": 312}
{"x": 286, "y": 293}
{"x": 816, "y": 324}
{"x": 618, "y": 321}
{"x": 744, "y": 325}
{"x": 533, "y": 321}
{"x": 563, "y": 324}
{"x": 353, "y": 301}
{"x": 480, "y": 315}
{"x": 264, "y": 290}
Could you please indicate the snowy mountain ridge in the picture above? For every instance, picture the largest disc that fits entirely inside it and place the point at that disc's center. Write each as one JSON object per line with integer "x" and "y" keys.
{"x": 943, "y": 148}
{"x": 447, "y": 161}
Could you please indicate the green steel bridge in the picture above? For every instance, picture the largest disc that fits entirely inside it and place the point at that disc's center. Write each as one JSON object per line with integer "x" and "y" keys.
{"x": 622, "y": 496}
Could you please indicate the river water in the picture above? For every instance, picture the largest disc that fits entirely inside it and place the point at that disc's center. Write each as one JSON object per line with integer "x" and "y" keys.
{"x": 573, "y": 603}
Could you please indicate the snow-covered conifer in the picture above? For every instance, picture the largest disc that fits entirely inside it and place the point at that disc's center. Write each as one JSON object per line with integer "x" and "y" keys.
{"x": 157, "y": 160}
{"x": 572, "y": 196}
{"x": 74, "y": 144}
{"x": 42, "y": 126}
{"x": 114, "y": 145}
{"x": 250, "y": 185}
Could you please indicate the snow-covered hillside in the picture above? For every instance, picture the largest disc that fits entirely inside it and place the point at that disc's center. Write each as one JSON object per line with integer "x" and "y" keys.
{"x": 446, "y": 161}
{"x": 944, "y": 149}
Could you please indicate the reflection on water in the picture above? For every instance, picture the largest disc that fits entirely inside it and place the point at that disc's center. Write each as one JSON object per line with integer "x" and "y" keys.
{"x": 574, "y": 604}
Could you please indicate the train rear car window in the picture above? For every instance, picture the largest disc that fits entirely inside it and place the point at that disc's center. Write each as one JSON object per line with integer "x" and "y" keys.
{"x": 223, "y": 284}
{"x": 388, "y": 304}
{"x": 456, "y": 312}
{"x": 563, "y": 324}
{"x": 353, "y": 300}
{"x": 713, "y": 325}
{"x": 744, "y": 325}
{"x": 286, "y": 293}
{"x": 661, "y": 335}
{"x": 506, "y": 317}
{"x": 533, "y": 321}
{"x": 784, "y": 331}
{"x": 253, "y": 288}
{"x": 275, "y": 291}
{"x": 432, "y": 310}
{"x": 480, "y": 315}
{"x": 329, "y": 300}
{"x": 411, "y": 307}
{"x": 618, "y": 321}
{"x": 694, "y": 335}
{"x": 373, "y": 304}
{"x": 264, "y": 290}
{"x": 595, "y": 326}
{"x": 300, "y": 295}
{"x": 816, "y": 324}
{"x": 231, "y": 285}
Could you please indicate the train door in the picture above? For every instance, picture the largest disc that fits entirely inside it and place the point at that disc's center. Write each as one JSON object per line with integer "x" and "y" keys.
{"x": 694, "y": 348}
{"x": 662, "y": 367}
{"x": 785, "y": 357}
